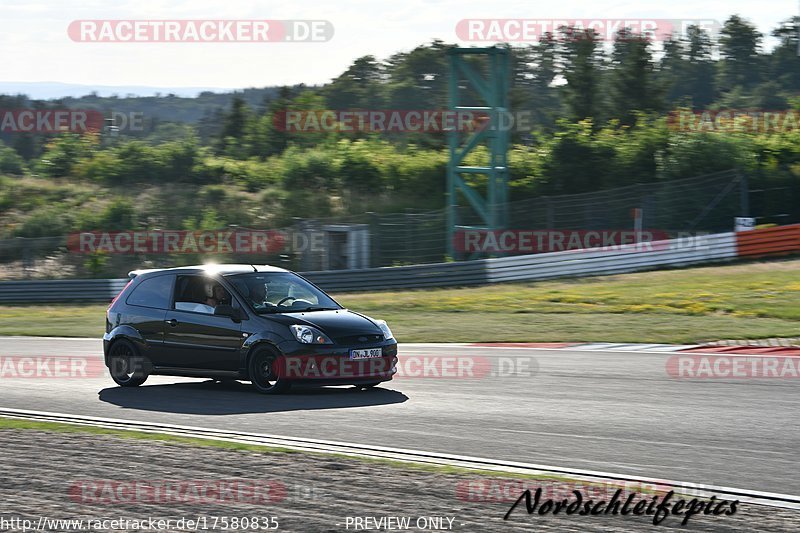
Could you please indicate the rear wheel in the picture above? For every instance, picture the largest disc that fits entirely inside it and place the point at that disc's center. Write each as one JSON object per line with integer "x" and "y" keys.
{"x": 263, "y": 375}
{"x": 125, "y": 364}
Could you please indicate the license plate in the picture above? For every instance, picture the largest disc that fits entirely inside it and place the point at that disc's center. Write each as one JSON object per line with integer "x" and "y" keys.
{"x": 366, "y": 354}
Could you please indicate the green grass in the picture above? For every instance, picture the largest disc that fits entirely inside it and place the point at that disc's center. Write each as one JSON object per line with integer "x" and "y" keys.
{"x": 53, "y": 320}
{"x": 747, "y": 300}
{"x": 13, "y": 423}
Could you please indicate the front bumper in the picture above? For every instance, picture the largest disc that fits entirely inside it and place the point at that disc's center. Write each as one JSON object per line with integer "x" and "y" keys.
{"x": 332, "y": 364}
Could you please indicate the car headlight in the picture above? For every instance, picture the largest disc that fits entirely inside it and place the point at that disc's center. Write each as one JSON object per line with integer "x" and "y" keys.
{"x": 309, "y": 335}
{"x": 387, "y": 333}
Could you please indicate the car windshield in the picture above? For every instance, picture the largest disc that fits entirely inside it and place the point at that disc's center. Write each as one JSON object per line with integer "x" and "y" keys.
{"x": 280, "y": 292}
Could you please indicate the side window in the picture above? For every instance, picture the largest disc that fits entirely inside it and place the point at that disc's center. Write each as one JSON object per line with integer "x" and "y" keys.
{"x": 199, "y": 294}
{"x": 153, "y": 292}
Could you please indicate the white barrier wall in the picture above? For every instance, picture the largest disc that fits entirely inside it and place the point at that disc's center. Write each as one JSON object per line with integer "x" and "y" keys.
{"x": 615, "y": 260}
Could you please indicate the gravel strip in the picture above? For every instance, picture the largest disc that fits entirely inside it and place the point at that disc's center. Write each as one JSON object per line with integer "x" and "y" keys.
{"x": 83, "y": 476}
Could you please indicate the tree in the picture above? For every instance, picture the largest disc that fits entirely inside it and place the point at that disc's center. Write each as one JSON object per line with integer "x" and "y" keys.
{"x": 234, "y": 125}
{"x": 739, "y": 44}
{"x": 687, "y": 69}
{"x": 267, "y": 135}
{"x": 700, "y": 67}
{"x": 784, "y": 65}
{"x": 209, "y": 127}
{"x": 418, "y": 79}
{"x": 581, "y": 62}
{"x": 634, "y": 86}
{"x": 264, "y": 137}
{"x": 533, "y": 73}
{"x": 358, "y": 87}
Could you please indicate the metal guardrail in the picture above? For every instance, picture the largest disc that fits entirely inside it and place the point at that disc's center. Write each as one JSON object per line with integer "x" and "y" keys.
{"x": 617, "y": 259}
{"x": 404, "y": 277}
{"x": 66, "y": 290}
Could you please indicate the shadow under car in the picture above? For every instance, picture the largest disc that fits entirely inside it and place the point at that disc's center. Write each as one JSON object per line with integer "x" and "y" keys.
{"x": 238, "y": 398}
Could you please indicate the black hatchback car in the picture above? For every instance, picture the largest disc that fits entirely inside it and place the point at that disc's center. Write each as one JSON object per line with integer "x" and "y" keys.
{"x": 256, "y": 323}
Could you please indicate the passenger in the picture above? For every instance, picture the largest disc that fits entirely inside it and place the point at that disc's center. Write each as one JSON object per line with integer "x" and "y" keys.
{"x": 219, "y": 296}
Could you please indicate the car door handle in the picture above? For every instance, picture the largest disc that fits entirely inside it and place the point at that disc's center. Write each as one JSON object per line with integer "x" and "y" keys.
{"x": 172, "y": 322}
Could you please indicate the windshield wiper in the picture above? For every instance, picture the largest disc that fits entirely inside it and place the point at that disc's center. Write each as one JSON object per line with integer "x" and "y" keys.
{"x": 316, "y": 309}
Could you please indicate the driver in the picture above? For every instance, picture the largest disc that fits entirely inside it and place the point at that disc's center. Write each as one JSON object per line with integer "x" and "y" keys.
{"x": 258, "y": 294}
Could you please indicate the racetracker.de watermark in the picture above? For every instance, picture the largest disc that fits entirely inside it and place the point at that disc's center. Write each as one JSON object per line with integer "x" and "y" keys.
{"x": 205, "y": 492}
{"x": 50, "y": 120}
{"x": 200, "y": 31}
{"x": 735, "y": 121}
{"x": 696, "y": 366}
{"x": 190, "y": 242}
{"x": 533, "y": 30}
{"x": 129, "y": 121}
{"x": 50, "y": 367}
{"x": 517, "y": 241}
{"x": 449, "y": 367}
{"x": 400, "y": 121}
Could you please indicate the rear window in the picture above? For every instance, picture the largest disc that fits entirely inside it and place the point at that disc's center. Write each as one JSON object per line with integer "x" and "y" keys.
{"x": 153, "y": 292}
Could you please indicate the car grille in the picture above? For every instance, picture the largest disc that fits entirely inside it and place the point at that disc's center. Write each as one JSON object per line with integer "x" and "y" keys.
{"x": 359, "y": 339}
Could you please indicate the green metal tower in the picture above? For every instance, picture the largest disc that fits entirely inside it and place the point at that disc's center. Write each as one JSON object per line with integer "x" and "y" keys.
{"x": 492, "y": 90}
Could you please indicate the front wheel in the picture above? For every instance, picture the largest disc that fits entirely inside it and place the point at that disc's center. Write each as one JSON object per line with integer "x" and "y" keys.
{"x": 126, "y": 365}
{"x": 263, "y": 373}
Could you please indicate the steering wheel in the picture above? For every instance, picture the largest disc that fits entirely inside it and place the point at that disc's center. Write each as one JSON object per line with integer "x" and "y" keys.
{"x": 287, "y": 298}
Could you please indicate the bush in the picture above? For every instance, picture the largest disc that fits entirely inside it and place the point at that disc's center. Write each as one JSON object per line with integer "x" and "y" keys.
{"x": 311, "y": 170}
{"x": 138, "y": 162}
{"x": 179, "y": 160}
{"x": 119, "y": 215}
{"x": 10, "y": 161}
{"x": 358, "y": 172}
{"x": 63, "y": 153}
{"x": 104, "y": 167}
{"x": 213, "y": 194}
{"x": 573, "y": 161}
{"x": 43, "y": 222}
{"x": 695, "y": 154}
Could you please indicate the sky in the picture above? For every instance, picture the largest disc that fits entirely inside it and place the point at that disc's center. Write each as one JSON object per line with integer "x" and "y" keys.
{"x": 36, "y": 47}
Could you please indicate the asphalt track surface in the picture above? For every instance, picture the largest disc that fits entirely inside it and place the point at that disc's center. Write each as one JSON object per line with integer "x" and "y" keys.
{"x": 607, "y": 411}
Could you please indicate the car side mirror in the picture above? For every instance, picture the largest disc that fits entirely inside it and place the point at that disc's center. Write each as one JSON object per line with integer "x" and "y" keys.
{"x": 229, "y": 311}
